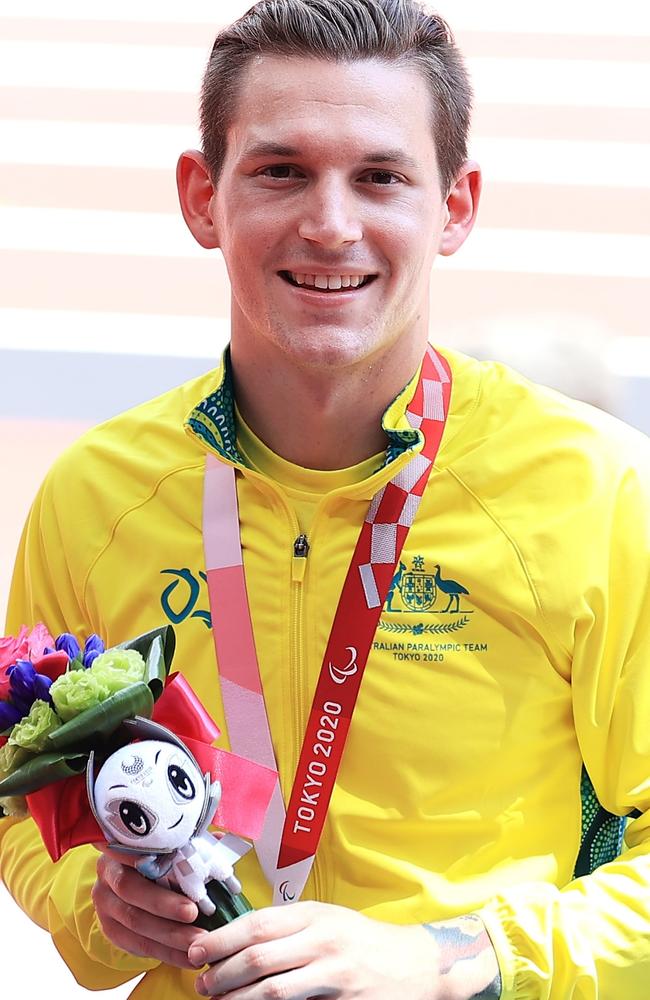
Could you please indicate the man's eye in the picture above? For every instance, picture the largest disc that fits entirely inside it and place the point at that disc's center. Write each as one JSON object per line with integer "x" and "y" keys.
{"x": 384, "y": 177}
{"x": 279, "y": 171}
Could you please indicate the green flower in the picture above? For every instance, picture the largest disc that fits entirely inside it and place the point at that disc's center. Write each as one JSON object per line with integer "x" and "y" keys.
{"x": 77, "y": 691}
{"x": 11, "y": 758}
{"x": 14, "y": 805}
{"x": 118, "y": 668}
{"x": 31, "y": 733}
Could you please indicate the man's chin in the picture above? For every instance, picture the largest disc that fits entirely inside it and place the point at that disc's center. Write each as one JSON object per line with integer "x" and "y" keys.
{"x": 329, "y": 349}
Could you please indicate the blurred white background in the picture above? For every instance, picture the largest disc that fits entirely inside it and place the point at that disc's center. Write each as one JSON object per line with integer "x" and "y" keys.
{"x": 106, "y": 300}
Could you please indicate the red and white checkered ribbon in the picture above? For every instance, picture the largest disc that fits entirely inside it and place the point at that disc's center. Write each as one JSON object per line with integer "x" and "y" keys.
{"x": 289, "y": 840}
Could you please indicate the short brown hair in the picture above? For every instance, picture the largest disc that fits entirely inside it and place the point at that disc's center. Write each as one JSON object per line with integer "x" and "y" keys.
{"x": 341, "y": 30}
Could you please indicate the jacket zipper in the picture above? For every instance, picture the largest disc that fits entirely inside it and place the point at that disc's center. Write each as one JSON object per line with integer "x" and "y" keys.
{"x": 297, "y": 684}
{"x": 300, "y": 551}
{"x": 298, "y": 570}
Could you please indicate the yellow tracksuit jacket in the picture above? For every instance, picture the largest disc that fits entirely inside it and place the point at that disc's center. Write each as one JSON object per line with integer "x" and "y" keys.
{"x": 511, "y": 661}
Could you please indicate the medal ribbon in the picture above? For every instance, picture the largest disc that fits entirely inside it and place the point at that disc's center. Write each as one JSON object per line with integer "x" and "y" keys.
{"x": 296, "y": 831}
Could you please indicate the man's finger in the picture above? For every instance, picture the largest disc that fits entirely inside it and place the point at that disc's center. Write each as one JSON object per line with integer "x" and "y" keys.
{"x": 128, "y": 860}
{"x": 143, "y": 946}
{"x": 261, "y": 961}
{"x": 251, "y": 929}
{"x": 141, "y": 923}
{"x": 298, "y": 984}
{"x": 133, "y": 888}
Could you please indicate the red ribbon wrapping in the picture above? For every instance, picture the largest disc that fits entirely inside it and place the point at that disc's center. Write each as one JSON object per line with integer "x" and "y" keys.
{"x": 62, "y": 812}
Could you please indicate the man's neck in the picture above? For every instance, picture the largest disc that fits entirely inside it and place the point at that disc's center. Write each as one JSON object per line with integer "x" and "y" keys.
{"x": 316, "y": 418}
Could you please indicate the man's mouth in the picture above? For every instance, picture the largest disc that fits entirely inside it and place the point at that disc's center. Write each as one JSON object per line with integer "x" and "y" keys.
{"x": 327, "y": 282}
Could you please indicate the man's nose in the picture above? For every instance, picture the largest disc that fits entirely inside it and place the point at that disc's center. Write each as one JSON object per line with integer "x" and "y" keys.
{"x": 330, "y": 216}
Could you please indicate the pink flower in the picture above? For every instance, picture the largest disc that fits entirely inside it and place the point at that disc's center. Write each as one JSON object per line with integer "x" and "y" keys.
{"x": 39, "y": 640}
{"x": 27, "y": 646}
{"x": 4, "y": 684}
{"x": 14, "y": 648}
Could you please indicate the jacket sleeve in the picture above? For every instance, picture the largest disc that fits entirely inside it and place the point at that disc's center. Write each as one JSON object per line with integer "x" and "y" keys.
{"x": 46, "y": 587}
{"x": 591, "y": 939}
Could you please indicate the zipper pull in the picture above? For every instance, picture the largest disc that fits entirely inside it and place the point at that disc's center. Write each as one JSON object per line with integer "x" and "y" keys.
{"x": 299, "y": 561}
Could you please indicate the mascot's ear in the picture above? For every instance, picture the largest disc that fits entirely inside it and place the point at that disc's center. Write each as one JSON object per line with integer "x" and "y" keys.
{"x": 90, "y": 790}
{"x": 215, "y": 793}
{"x": 210, "y": 803}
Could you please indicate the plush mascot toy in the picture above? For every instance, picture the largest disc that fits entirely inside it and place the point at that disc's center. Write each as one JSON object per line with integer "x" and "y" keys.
{"x": 149, "y": 790}
{"x": 150, "y": 798}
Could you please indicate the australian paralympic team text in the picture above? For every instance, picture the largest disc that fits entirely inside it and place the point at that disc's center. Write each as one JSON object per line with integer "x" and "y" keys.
{"x": 317, "y": 768}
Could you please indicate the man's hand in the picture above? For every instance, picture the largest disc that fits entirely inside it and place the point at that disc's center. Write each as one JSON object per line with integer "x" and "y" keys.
{"x": 141, "y": 917}
{"x": 314, "y": 950}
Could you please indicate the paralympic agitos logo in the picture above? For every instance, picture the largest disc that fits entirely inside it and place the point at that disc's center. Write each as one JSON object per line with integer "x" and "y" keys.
{"x": 340, "y": 674}
{"x": 285, "y": 891}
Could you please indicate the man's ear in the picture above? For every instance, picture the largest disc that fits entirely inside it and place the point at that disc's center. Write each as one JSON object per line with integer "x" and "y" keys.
{"x": 462, "y": 206}
{"x": 195, "y": 192}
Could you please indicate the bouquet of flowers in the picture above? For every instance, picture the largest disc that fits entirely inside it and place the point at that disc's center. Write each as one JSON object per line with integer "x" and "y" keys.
{"x": 71, "y": 713}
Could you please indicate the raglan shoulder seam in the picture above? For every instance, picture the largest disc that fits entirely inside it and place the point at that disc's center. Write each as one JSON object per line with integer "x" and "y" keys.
{"x": 518, "y": 553}
{"x": 189, "y": 467}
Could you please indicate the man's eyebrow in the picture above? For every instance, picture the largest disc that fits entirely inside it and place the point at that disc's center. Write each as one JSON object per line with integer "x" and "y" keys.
{"x": 390, "y": 156}
{"x": 261, "y": 149}
{"x": 269, "y": 149}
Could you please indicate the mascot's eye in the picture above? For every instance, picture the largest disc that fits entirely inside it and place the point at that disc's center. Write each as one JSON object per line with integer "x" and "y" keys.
{"x": 181, "y": 782}
{"x": 135, "y": 818}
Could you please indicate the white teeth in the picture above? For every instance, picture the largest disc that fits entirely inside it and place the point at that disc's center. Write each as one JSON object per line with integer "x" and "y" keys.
{"x": 328, "y": 281}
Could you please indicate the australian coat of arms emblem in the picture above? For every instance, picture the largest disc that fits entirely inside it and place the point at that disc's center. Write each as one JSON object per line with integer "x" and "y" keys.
{"x": 416, "y": 591}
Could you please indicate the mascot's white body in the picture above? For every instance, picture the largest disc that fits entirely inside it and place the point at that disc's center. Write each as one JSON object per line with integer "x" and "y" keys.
{"x": 196, "y": 863}
{"x": 151, "y": 799}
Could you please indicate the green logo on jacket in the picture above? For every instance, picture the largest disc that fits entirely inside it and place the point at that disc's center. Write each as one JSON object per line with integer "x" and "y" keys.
{"x": 179, "y": 600}
{"x": 416, "y": 591}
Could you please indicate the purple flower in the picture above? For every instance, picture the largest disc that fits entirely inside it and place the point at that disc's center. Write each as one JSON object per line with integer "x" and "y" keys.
{"x": 68, "y": 644}
{"x": 93, "y": 647}
{"x": 9, "y": 715}
{"x": 22, "y": 676}
{"x": 42, "y": 686}
{"x": 26, "y": 686}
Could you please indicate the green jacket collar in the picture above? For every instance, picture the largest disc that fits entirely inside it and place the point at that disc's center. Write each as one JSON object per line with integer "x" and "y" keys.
{"x": 213, "y": 420}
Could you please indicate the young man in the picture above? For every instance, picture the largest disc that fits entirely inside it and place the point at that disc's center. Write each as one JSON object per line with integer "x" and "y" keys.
{"x": 477, "y": 544}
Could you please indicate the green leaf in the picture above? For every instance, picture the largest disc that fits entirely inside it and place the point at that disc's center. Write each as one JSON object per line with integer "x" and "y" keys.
{"x": 97, "y": 724}
{"x": 143, "y": 644}
{"x": 42, "y": 770}
{"x": 156, "y": 669}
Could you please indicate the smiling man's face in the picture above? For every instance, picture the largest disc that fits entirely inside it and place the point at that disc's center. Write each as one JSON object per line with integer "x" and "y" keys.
{"x": 329, "y": 209}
